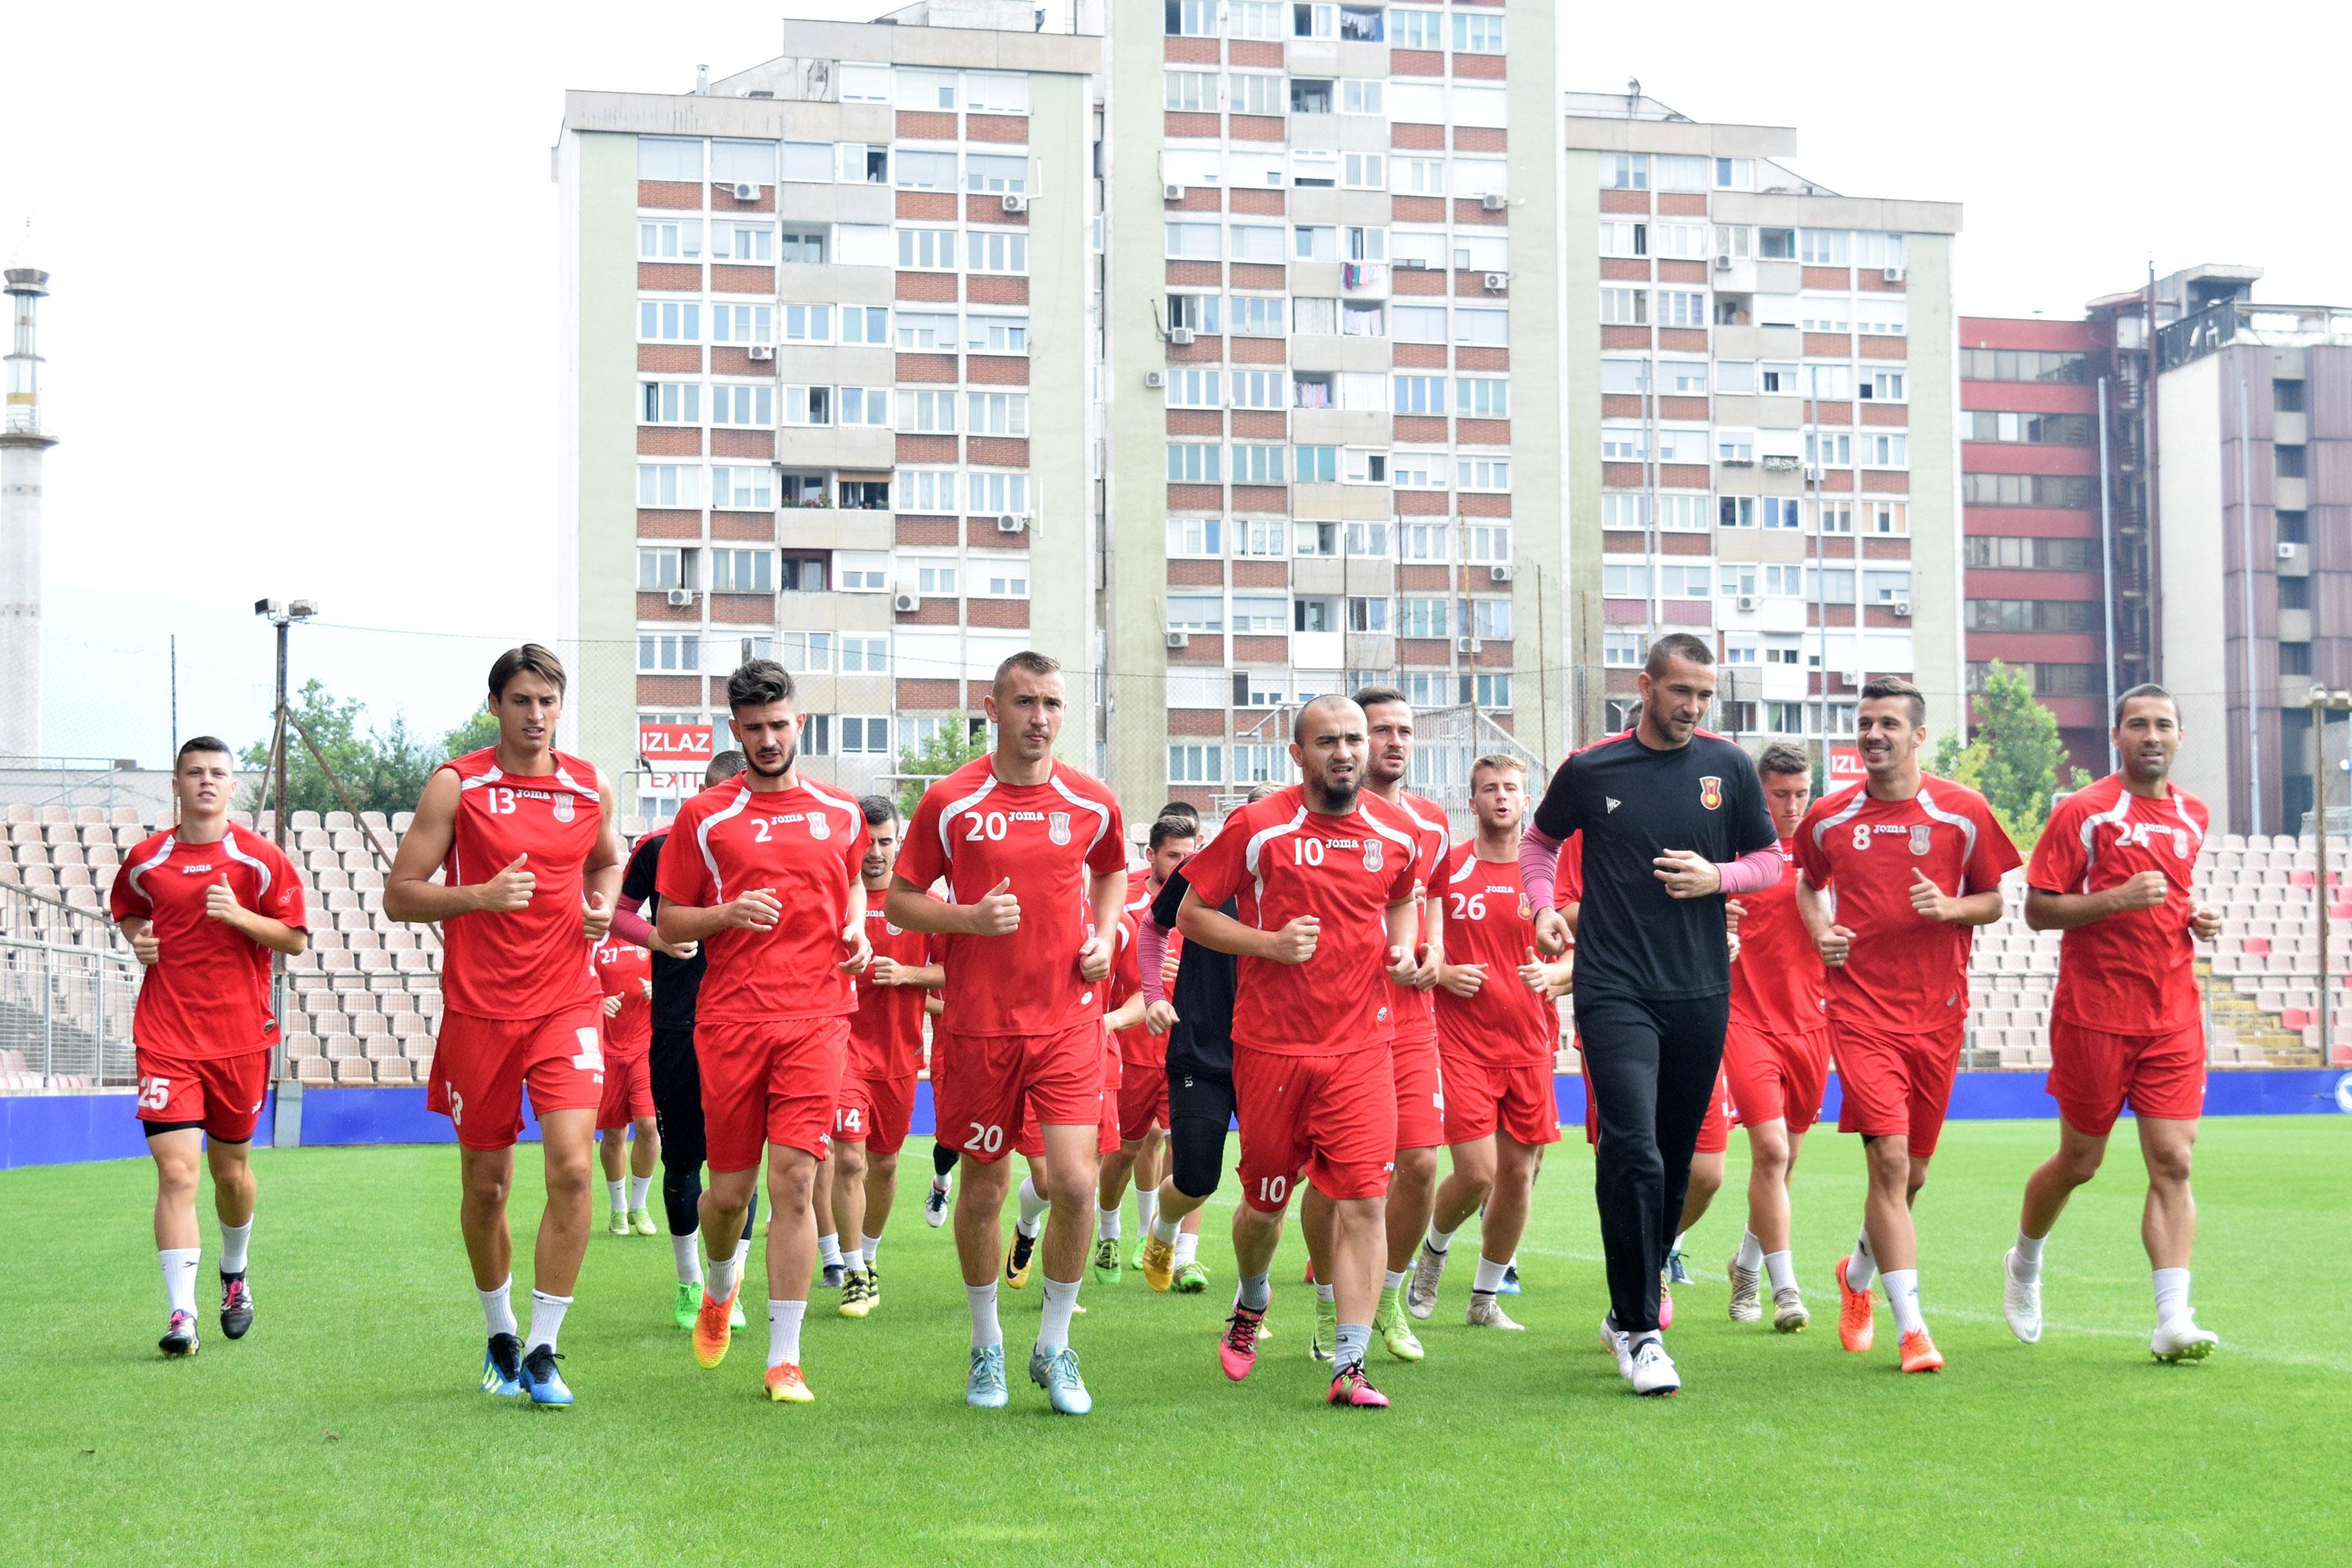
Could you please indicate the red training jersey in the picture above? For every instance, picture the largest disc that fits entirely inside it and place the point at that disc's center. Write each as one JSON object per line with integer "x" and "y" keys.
{"x": 1779, "y": 986}
{"x": 886, "y": 1032}
{"x": 1906, "y": 974}
{"x": 207, "y": 992}
{"x": 804, "y": 844}
{"x": 1488, "y": 923}
{"x": 1138, "y": 1047}
{"x": 2132, "y": 973}
{"x": 1282, "y": 861}
{"x": 623, "y": 970}
{"x": 1416, "y": 1011}
{"x": 531, "y": 962}
{"x": 1051, "y": 839}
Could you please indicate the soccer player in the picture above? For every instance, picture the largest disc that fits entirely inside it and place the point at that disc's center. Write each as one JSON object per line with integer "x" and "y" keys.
{"x": 1328, "y": 898}
{"x": 1915, "y": 864}
{"x": 762, "y": 871}
{"x": 1035, "y": 861}
{"x": 677, "y": 1082}
{"x": 2113, "y": 871}
{"x": 886, "y": 1058}
{"x": 1143, "y": 1070}
{"x": 1196, "y": 1015}
{"x": 1498, "y": 1031}
{"x": 1776, "y": 1055}
{"x": 203, "y": 905}
{"x": 522, "y": 835}
{"x": 623, "y": 974}
{"x": 1673, "y": 821}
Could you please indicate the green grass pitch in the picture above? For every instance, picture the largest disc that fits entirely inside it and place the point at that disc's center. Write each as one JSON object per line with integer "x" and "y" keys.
{"x": 347, "y": 1428}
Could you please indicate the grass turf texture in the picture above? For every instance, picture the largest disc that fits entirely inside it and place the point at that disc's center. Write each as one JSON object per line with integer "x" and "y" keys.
{"x": 347, "y": 1426}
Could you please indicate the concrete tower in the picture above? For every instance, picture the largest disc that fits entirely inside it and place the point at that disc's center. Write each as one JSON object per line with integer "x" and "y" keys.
{"x": 22, "y": 446}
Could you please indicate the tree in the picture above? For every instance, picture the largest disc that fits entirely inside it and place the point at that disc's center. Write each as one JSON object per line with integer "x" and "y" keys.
{"x": 382, "y": 770}
{"x": 2014, "y": 758}
{"x": 957, "y": 742}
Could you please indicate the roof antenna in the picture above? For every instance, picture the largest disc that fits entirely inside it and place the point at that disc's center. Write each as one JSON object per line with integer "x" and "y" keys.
{"x": 1633, "y": 96}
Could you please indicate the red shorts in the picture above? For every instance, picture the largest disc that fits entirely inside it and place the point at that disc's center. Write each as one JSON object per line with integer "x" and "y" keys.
{"x": 2093, "y": 1073}
{"x": 1482, "y": 1099}
{"x": 628, "y": 1091}
{"x": 875, "y": 1111}
{"x": 481, "y": 1067}
{"x": 1897, "y": 1085}
{"x": 1777, "y": 1077}
{"x": 1330, "y": 1118}
{"x": 1714, "y": 1133}
{"x": 767, "y": 1083}
{"x": 1142, "y": 1100}
{"x": 1420, "y": 1092}
{"x": 982, "y": 1085}
{"x": 221, "y": 1094}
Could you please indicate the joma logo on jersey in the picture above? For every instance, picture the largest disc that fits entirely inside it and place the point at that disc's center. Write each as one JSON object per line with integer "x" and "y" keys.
{"x": 196, "y": 870}
{"x": 1710, "y": 792}
{"x": 2148, "y": 833}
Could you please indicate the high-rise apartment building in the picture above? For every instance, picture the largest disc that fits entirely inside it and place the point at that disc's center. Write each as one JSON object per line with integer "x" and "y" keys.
{"x": 1760, "y": 412}
{"x": 2034, "y": 565}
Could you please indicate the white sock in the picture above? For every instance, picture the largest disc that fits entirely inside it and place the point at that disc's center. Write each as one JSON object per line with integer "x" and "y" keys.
{"x": 828, "y": 1249}
{"x": 546, "y": 1318}
{"x": 1256, "y": 1292}
{"x": 1903, "y": 1294}
{"x": 617, "y": 1195}
{"x": 1054, "y": 1327}
{"x": 939, "y": 1183}
{"x": 1327, "y": 1292}
{"x": 1032, "y": 1204}
{"x": 1188, "y": 1247}
{"x": 2171, "y": 1293}
{"x": 1352, "y": 1341}
{"x": 2029, "y": 1255}
{"x": 868, "y": 1247}
{"x": 981, "y": 1299}
{"x": 1490, "y": 1277}
{"x": 1678, "y": 1239}
{"x": 1393, "y": 1278}
{"x": 1147, "y": 1206}
{"x": 1782, "y": 1269}
{"x": 743, "y": 1251}
{"x": 498, "y": 1308}
{"x": 1164, "y": 1231}
{"x": 1107, "y": 1225}
{"x": 179, "y": 1266}
{"x": 638, "y": 1187}
{"x": 688, "y": 1250}
{"x": 233, "y": 1243}
{"x": 1862, "y": 1268}
{"x": 1438, "y": 1240}
{"x": 726, "y": 1275}
{"x": 784, "y": 1332}
{"x": 1750, "y": 1255}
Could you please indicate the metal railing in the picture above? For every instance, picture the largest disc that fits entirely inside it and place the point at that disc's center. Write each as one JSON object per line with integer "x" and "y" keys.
{"x": 65, "y": 1015}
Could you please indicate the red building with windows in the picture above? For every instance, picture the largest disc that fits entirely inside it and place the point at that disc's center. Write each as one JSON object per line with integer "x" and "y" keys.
{"x": 2034, "y": 573}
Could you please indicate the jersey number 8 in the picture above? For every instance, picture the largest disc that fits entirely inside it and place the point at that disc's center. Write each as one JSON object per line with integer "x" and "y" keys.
{"x": 1862, "y": 836}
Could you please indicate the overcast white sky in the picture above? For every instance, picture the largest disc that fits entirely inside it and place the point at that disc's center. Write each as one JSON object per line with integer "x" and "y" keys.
{"x": 302, "y": 337}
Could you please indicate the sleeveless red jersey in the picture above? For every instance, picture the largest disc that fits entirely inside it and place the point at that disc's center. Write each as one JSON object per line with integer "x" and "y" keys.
{"x": 531, "y": 962}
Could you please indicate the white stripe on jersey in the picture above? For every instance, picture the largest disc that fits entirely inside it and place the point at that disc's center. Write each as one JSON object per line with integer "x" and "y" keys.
{"x": 1102, "y": 813}
{"x": 702, "y": 841}
{"x": 228, "y": 844}
{"x": 1966, "y": 824}
{"x": 949, "y": 813}
{"x": 1259, "y": 840}
{"x": 162, "y": 853}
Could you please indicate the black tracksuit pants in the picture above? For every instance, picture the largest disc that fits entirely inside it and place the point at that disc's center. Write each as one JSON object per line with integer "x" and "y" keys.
{"x": 1650, "y": 1067}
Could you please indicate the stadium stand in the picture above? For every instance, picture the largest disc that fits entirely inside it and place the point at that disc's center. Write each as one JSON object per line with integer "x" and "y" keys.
{"x": 364, "y": 1002}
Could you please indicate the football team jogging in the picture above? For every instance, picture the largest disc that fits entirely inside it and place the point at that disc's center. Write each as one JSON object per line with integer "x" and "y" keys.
{"x": 1357, "y": 994}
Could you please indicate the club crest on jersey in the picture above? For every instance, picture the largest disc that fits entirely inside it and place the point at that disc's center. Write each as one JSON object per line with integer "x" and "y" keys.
{"x": 1710, "y": 792}
{"x": 1057, "y": 827}
{"x": 562, "y": 808}
{"x": 1921, "y": 838}
{"x": 819, "y": 827}
{"x": 1372, "y": 855}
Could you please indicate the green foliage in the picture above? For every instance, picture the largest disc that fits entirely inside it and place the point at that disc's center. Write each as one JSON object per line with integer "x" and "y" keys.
{"x": 382, "y": 770}
{"x": 957, "y": 742}
{"x": 2013, "y": 758}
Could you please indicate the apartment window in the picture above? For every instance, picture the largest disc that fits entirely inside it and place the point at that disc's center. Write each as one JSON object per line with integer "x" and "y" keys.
{"x": 1260, "y": 388}
{"x": 804, "y": 653}
{"x": 752, "y": 407}
{"x": 1732, "y": 446}
{"x": 751, "y": 163}
{"x": 670, "y": 653}
{"x": 1884, "y": 450}
{"x": 996, "y": 250}
{"x": 1258, "y": 465}
{"x": 2294, "y": 657}
{"x": 1621, "y": 650}
{"x": 1681, "y": 172}
{"x": 1196, "y": 762}
{"x": 2029, "y": 554}
{"x": 743, "y": 489}
{"x": 1266, "y": 614}
{"x": 1685, "y": 582}
{"x": 1419, "y": 616}
{"x": 802, "y": 323}
{"x": 1735, "y": 174}
{"x": 1192, "y": 386}
{"x": 807, "y": 405}
{"x": 1314, "y": 614}
{"x": 865, "y": 495}
{"x": 1419, "y": 393}
{"x": 1625, "y": 171}
{"x": 1490, "y": 619}
{"x": 1482, "y": 473}
{"x": 661, "y": 570}
{"x": 2022, "y": 365}
{"x": 934, "y": 577}
{"x": 926, "y": 249}
{"x": 1623, "y": 237}
{"x": 1194, "y": 312}
{"x": 2286, "y": 397}
{"x": 1624, "y": 582}
{"x": 1357, "y": 243}
{"x": 996, "y": 412}
{"x": 2028, "y": 489}
{"x": 1362, "y": 95}
{"x": 1736, "y": 511}
{"x": 801, "y": 489}
{"x": 1824, "y": 450}
{"x": 924, "y": 489}
{"x": 1196, "y": 536}
{"x": 2294, "y": 526}
{"x": 868, "y": 405}
{"x": 1315, "y": 465}
{"x": 1195, "y": 241}
{"x": 1191, "y": 92}
{"x": 801, "y": 246}
{"x": 669, "y": 321}
{"x": 862, "y": 571}
{"x": 1195, "y": 463}
{"x": 1007, "y": 578}
{"x": 1624, "y": 376}
{"x": 1834, "y": 517}
{"x": 995, "y": 171}
{"x": 669, "y": 485}
{"x": 1776, "y": 244}
{"x": 742, "y": 572}
{"x": 1783, "y": 512}
{"x": 1262, "y": 538}
{"x": 670, "y": 239}
{"x": 1363, "y": 171}
{"x": 1824, "y": 246}
{"x": 1682, "y": 512}
{"x": 1887, "y": 519}
{"x": 1881, "y": 386}
{"x": 2295, "y": 593}
{"x": 743, "y": 242}
{"x": 1257, "y": 93}
{"x": 1479, "y": 35}
{"x": 1482, "y": 397}
{"x": 1191, "y": 19}
{"x": 2291, "y": 460}
{"x": 1416, "y": 29}
{"x": 1358, "y": 319}
{"x": 2051, "y": 429}
{"x": 1417, "y": 323}
{"x": 1417, "y": 471}
{"x": 1313, "y": 21}
{"x": 1313, "y": 243}
{"x": 2078, "y": 615}
{"x": 669, "y": 158}
{"x": 1681, "y": 307}
{"x": 1255, "y": 315}
{"x": 670, "y": 403}
{"x": 1000, "y": 490}
{"x": 928, "y": 412}
{"x": 1487, "y": 327}
{"x": 1419, "y": 176}
{"x": 1314, "y": 389}
{"x": 751, "y": 323}
{"x": 1363, "y": 465}
{"x": 1310, "y": 95}
{"x": 1880, "y": 315}
{"x": 1486, "y": 544}
{"x": 1682, "y": 241}
{"x": 1625, "y": 307}
{"x": 1623, "y": 444}
{"x": 1825, "y": 313}
{"x": 1430, "y": 543}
